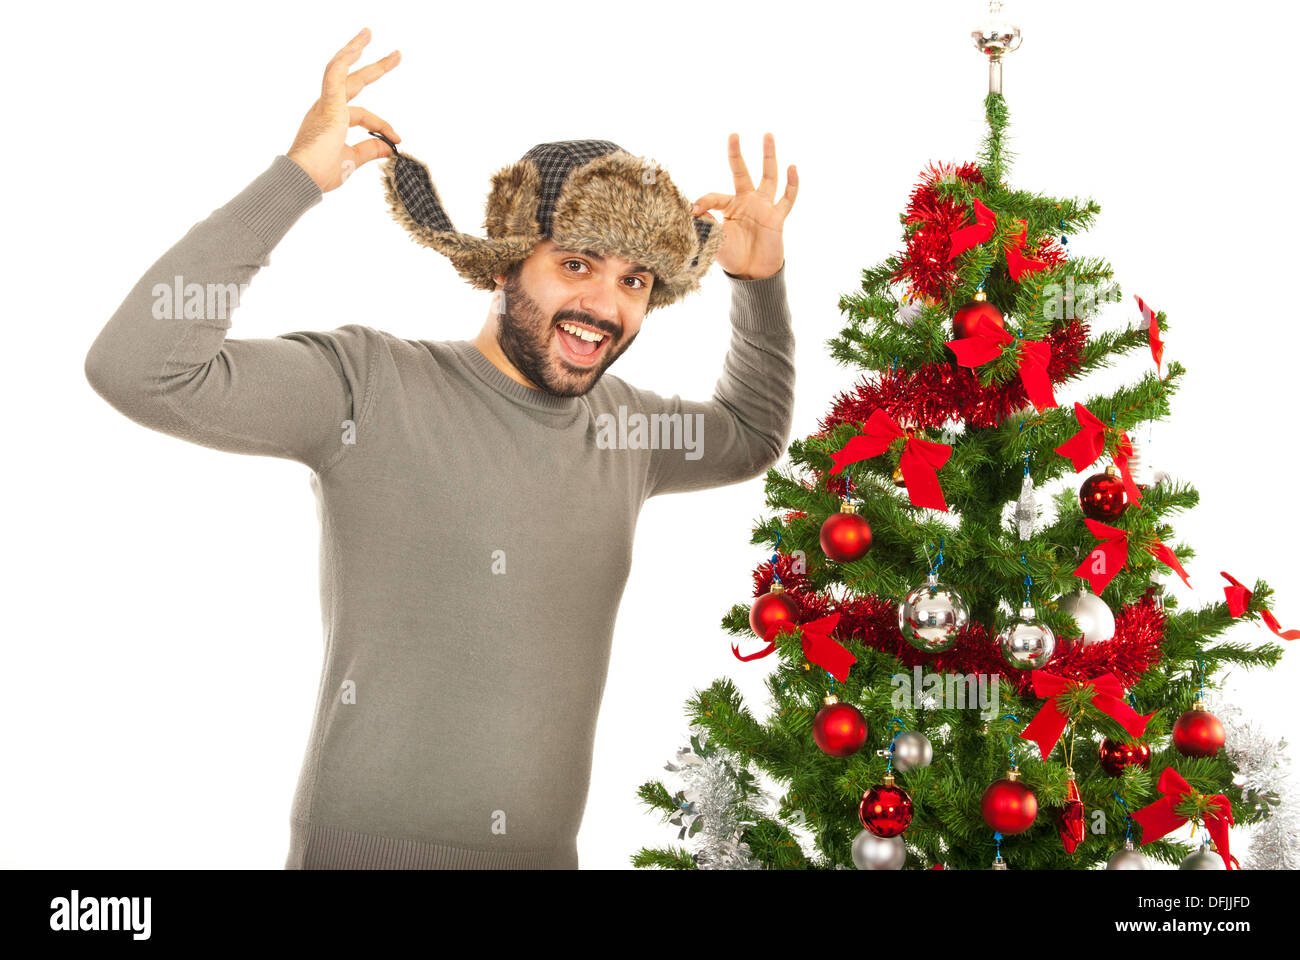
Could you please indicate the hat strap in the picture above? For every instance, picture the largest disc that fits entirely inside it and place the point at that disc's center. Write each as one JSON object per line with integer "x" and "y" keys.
{"x": 392, "y": 146}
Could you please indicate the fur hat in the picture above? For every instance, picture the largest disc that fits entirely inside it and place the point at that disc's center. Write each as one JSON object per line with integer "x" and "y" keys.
{"x": 583, "y": 195}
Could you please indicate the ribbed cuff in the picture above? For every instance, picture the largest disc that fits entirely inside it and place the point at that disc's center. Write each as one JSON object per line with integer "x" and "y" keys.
{"x": 320, "y": 847}
{"x": 760, "y": 305}
{"x": 276, "y": 198}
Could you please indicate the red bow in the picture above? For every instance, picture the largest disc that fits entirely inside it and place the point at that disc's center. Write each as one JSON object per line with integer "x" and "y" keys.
{"x": 817, "y": 644}
{"x": 1107, "y": 696}
{"x": 1105, "y": 560}
{"x": 963, "y": 238}
{"x": 1166, "y": 556}
{"x": 1238, "y": 597}
{"x": 920, "y": 461}
{"x": 1089, "y": 443}
{"x": 1123, "y": 451}
{"x": 1276, "y": 627}
{"x": 1150, "y": 324}
{"x": 981, "y": 231}
{"x": 1017, "y": 263}
{"x": 987, "y": 342}
{"x": 1159, "y": 818}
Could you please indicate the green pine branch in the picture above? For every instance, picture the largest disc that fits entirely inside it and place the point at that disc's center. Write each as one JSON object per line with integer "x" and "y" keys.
{"x": 667, "y": 858}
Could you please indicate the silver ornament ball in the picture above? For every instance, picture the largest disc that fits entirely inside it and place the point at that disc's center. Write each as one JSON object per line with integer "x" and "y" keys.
{"x": 1091, "y": 613}
{"x": 931, "y": 616}
{"x": 1203, "y": 859}
{"x": 912, "y": 750}
{"x": 871, "y": 852}
{"x": 1026, "y": 643}
{"x": 1127, "y": 858}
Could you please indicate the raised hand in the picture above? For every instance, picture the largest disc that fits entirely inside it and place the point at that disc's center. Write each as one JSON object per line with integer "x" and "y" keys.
{"x": 751, "y": 221}
{"x": 321, "y": 147}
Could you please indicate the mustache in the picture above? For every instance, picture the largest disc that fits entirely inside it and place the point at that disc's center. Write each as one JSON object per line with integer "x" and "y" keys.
{"x": 589, "y": 321}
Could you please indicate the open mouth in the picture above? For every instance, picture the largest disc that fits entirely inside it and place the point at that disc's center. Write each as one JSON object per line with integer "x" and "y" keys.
{"x": 580, "y": 344}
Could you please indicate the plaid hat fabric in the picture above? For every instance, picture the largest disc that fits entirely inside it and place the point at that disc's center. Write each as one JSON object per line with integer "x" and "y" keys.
{"x": 554, "y": 162}
{"x": 583, "y": 195}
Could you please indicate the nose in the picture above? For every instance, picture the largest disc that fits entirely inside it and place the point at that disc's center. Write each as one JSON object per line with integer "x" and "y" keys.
{"x": 600, "y": 300}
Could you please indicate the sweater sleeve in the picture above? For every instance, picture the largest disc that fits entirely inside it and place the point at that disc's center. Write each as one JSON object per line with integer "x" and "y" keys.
{"x": 743, "y": 429}
{"x": 164, "y": 360}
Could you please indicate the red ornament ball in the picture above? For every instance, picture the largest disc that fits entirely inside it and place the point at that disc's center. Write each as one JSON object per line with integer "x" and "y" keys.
{"x": 845, "y": 537}
{"x": 1198, "y": 733}
{"x": 1009, "y": 806}
{"x": 840, "y": 729}
{"x": 1116, "y": 757}
{"x": 965, "y": 320}
{"x": 1102, "y": 497}
{"x": 774, "y": 609}
{"x": 885, "y": 810}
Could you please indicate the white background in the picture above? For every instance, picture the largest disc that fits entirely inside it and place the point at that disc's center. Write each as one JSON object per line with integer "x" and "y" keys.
{"x": 162, "y": 638}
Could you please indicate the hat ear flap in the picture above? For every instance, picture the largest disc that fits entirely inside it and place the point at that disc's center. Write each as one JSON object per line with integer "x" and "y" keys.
{"x": 710, "y": 235}
{"x": 412, "y": 196}
{"x": 415, "y": 204}
{"x": 512, "y": 203}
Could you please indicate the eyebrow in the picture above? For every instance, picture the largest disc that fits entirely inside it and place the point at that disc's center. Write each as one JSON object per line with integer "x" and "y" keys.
{"x": 599, "y": 259}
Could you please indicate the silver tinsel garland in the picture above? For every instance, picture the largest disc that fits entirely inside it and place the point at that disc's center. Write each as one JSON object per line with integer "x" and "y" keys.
{"x": 710, "y": 801}
{"x": 1264, "y": 771}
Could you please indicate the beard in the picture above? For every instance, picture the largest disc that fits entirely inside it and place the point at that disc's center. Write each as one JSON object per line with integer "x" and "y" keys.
{"x": 526, "y": 337}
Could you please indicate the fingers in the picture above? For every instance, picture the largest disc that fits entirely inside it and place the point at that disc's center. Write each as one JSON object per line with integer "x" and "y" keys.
{"x": 361, "y": 117}
{"x": 711, "y": 201}
{"x": 791, "y": 191}
{"x": 372, "y": 148}
{"x": 739, "y": 172}
{"x": 371, "y": 73}
{"x": 767, "y": 185}
{"x": 334, "y": 86}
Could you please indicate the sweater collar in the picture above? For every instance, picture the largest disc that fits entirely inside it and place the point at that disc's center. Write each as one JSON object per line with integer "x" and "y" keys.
{"x": 509, "y": 388}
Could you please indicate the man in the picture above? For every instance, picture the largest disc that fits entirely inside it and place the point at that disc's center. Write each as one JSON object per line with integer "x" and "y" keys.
{"x": 477, "y": 498}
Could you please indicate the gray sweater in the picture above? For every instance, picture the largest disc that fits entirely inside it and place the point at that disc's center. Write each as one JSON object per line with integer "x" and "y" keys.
{"x": 468, "y": 601}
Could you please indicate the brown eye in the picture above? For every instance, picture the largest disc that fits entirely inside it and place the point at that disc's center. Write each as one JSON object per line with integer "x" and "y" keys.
{"x": 579, "y": 262}
{"x": 640, "y": 282}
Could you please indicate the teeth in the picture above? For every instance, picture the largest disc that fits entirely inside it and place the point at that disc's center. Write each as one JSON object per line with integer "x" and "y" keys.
{"x": 580, "y": 332}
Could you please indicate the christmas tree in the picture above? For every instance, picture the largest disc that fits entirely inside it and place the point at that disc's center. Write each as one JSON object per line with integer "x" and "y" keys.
{"x": 961, "y": 681}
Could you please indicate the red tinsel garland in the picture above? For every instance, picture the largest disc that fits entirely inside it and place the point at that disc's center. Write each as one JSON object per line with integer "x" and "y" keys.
{"x": 873, "y": 621}
{"x": 1051, "y": 252}
{"x": 937, "y": 392}
{"x": 923, "y": 196}
{"x": 925, "y": 261}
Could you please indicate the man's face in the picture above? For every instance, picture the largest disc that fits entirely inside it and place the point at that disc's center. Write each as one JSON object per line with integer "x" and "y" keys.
{"x": 590, "y": 295}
